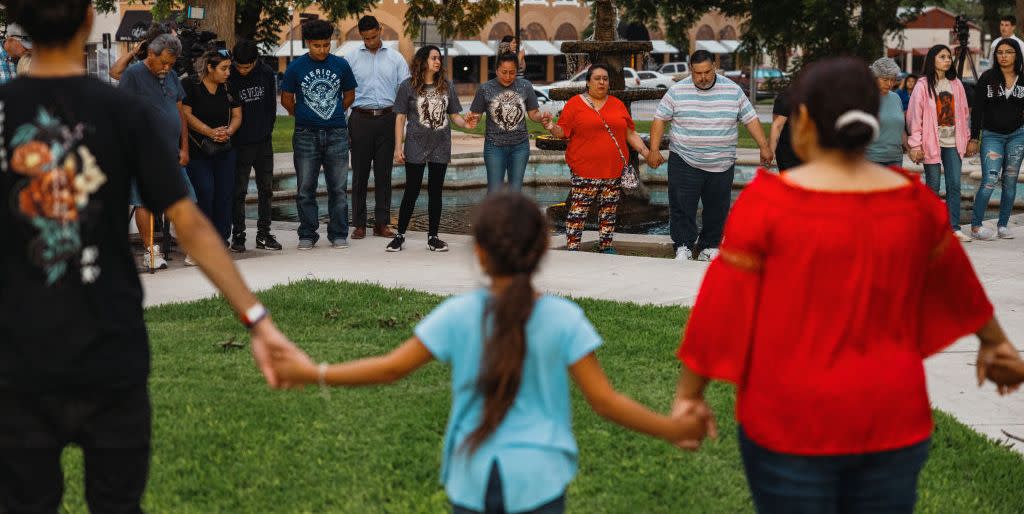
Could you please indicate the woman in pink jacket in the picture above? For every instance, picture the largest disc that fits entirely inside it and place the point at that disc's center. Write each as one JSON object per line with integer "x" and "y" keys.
{"x": 939, "y": 123}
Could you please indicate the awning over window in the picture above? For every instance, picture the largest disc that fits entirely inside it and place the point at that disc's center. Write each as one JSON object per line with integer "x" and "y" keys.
{"x": 134, "y": 25}
{"x": 350, "y": 47}
{"x": 295, "y": 50}
{"x": 730, "y": 44}
{"x": 540, "y": 47}
{"x": 662, "y": 47}
{"x": 712, "y": 46}
{"x": 471, "y": 47}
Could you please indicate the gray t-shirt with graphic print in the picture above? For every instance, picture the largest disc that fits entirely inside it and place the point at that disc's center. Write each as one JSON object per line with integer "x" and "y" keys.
{"x": 506, "y": 109}
{"x": 428, "y": 133}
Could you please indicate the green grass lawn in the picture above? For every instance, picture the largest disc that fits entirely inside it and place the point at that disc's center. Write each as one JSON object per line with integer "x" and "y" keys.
{"x": 282, "y": 136}
{"x": 224, "y": 443}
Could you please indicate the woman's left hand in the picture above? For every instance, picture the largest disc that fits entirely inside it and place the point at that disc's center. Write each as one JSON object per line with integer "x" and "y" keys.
{"x": 972, "y": 148}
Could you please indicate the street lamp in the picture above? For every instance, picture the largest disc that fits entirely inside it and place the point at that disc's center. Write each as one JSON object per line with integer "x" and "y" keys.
{"x": 291, "y": 32}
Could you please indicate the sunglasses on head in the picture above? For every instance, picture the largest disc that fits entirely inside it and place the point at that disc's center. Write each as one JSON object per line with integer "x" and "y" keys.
{"x": 224, "y": 53}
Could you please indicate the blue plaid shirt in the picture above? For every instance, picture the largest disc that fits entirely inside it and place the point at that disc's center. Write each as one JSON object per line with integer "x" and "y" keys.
{"x": 7, "y": 67}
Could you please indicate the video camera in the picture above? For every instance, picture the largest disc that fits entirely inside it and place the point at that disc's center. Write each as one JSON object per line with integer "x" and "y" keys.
{"x": 962, "y": 29}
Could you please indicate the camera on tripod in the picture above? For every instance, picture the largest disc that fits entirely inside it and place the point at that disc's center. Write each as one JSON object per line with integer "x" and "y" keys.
{"x": 962, "y": 29}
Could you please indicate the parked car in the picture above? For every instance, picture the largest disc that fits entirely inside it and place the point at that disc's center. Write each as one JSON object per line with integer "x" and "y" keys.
{"x": 543, "y": 93}
{"x": 678, "y": 70}
{"x": 769, "y": 81}
{"x": 655, "y": 79}
{"x": 580, "y": 78}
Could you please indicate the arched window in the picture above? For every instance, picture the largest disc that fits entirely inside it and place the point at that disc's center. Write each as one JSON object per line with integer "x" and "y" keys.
{"x": 535, "y": 31}
{"x": 500, "y": 30}
{"x": 566, "y": 32}
{"x": 705, "y": 32}
{"x": 728, "y": 32}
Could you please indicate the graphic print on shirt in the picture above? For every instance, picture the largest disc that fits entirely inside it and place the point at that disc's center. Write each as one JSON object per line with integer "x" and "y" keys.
{"x": 1014, "y": 92}
{"x": 946, "y": 111}
{"x": 251, "y": 94}
{"x": 507, "y": 110}
{"x": 320, "y": 92}
{"x": 432, "y": 107}
{"x": 59, "y": 175}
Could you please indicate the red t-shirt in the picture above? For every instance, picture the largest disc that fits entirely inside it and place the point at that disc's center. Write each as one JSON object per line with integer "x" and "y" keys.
{"x": 825, "y": 331}
{"x": 591, "y": 152}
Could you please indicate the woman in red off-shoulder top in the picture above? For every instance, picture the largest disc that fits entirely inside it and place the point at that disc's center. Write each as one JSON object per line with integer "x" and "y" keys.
{"x": 833, "y": 284}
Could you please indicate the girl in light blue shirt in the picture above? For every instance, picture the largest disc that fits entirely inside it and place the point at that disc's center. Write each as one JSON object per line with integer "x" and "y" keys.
{"x": 509, "y": 445}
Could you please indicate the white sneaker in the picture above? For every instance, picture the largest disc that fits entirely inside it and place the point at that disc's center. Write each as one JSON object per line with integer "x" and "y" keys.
{"x": 682, "y": 253}
{"x": 707, "y": 254}
{"x": 964, "y": 238}
{"x": 189, "y": 261}
{"x": 1004, "y": 233}
{"x": 158, "y": 259}
{"x": 983, "y": 233}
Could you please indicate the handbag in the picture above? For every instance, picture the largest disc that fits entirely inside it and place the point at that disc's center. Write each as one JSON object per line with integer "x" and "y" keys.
{"x": 630, "y": 178}
{"x": 207, "y": 146}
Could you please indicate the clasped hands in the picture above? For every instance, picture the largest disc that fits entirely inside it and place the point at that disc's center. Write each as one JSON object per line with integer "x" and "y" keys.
{"x": 472, "y": 119}
{"x": 220, "y": 134}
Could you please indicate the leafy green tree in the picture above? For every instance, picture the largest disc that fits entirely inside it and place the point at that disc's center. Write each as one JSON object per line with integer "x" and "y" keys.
{"x": 261, "y": 19}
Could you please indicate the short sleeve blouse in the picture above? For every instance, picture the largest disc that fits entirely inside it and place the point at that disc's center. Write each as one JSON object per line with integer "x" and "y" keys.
{"x": 591, "y": 152}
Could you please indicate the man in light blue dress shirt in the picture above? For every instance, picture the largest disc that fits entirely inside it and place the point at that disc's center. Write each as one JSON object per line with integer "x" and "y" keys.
{"x": 378, "y": 71}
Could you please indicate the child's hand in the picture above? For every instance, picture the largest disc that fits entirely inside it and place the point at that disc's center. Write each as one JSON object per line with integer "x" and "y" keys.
{"x": 1007, "y": 371}
{"x": 293, "y": 367}
{"x": 695, "y": 421}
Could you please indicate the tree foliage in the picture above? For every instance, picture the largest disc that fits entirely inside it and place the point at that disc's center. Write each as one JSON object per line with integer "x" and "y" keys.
{"x": 262, "y": 19}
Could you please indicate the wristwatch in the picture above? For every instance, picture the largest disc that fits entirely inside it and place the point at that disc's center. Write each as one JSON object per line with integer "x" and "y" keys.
{"x": 254, "y": 315}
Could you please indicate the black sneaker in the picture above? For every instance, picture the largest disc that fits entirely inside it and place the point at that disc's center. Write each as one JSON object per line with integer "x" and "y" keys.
{"x": 267, "y": 242}
{"x": 238, "y": 245}
{"x": 436, "y": 245}
{"x": 396, "y": 244}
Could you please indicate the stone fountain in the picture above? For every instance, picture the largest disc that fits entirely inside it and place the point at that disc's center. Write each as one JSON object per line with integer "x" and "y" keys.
{"x": 635, "y": 210}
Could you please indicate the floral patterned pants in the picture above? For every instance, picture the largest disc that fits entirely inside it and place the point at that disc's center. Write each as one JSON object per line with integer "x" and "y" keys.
{"x": 581, "y": 196}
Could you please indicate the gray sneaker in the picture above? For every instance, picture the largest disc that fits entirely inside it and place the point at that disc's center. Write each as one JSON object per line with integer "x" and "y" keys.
{"x": 339, "y": 243}
{"x": 1004, "y": 233}
{"x": 983, "y": 233}
{"x": 306, "y": 244}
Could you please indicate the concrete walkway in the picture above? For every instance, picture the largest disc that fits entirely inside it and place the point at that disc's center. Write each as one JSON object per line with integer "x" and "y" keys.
{"x": 633, "y": 279}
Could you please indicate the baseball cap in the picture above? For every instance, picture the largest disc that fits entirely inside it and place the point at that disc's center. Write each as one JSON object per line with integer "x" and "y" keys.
{"x": 14, "y": 30}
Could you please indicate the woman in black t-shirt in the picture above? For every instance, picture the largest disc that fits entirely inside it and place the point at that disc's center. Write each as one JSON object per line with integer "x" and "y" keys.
{"x": 214, "y": 115}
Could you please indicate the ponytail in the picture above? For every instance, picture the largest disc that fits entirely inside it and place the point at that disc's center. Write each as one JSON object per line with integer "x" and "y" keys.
{"x": 503, "y": 356}
{"x": 513, "y": 232}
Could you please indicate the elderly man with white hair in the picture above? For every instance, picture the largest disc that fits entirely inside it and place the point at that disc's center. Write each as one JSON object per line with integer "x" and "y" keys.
{"x": 887, "y": 148}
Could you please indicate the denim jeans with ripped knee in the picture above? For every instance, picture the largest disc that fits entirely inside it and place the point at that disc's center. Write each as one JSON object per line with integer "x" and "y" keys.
{"x": 1001, "y": 156}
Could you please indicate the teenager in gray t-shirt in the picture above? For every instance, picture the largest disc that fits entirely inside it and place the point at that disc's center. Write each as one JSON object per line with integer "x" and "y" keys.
{"x": 426, "y": 106}
{"x": 508, "y": 101}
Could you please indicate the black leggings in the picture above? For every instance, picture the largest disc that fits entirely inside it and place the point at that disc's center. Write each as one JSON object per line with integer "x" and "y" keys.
{"x": 413, "y": 182}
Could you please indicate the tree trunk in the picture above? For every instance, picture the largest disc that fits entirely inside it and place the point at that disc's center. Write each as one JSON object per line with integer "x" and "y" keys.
{"x": 248, "y": 18}
{"x": 1018, "y": 11}
{"x": 220, "y": 18}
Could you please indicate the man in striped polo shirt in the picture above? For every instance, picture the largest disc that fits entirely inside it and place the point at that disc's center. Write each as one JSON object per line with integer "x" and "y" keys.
{"x": 704, "y": 110}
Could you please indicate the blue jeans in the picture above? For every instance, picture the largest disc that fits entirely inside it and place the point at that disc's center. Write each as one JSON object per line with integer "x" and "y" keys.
{"x": 214, "y": 181}
{"x": 316, "y": 149}
{"x": 494, "y": 499}
{"x": 1000, "y": 153}
{"x": 502, "y": 160}
{"x": 950, "y": 166}
{"x": 879, "y": 482}
{"x": 689, "y": 186}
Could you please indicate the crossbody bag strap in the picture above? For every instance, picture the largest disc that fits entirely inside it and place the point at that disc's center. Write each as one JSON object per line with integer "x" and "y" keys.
{"x": 610, "y": 133}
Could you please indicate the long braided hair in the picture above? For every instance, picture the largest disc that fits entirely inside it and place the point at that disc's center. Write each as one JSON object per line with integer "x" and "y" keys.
{"x": 513, "y": 232}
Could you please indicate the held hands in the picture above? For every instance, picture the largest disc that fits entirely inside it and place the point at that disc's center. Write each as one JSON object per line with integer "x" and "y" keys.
{"x": 293, "y": 367}
{"x": 472, "y": 119}
{"x": 654, "y": 159}
{"x": 399, "y": 155}
{"x": 695, "y": 421}
{"x": 547, "y": 119}
{"x": 972, "y": 148}
{"x": 267, "y": 341}
{"x": 916, "y": 155}
{"x": 1001, "y": 363}
{"x": 767, "y": 157}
